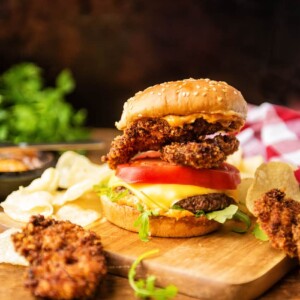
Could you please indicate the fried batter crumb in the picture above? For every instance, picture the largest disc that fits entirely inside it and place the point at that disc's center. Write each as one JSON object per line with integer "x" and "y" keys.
{"x": 279, "y": 217}
{"x": 185, "y": 145}
{"x": 66, "y": 261}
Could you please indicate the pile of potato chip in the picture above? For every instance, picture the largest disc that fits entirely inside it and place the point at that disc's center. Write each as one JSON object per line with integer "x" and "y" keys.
{"x": 64, "y": 192}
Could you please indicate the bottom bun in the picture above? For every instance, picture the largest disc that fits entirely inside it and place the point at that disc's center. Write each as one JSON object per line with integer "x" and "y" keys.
{"x": 124, "y": 216}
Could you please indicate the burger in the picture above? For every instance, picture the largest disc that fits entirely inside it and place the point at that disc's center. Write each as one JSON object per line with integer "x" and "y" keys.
{"x": 170, "y": 174}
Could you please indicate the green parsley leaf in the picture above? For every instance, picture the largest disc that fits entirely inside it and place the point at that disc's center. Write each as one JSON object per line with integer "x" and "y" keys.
{"x": 259, "y": 233}
{"x": 145, "y": 288}
{"x": 33, "y": 112}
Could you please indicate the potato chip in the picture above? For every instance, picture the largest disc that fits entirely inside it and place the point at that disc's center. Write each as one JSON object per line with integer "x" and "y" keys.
{"x": 242, "y": 189}
{"x": 21, "y": 205}
{"x": 249, "y": 165}
{"x": 73, "y": 192}
{"x": 83, "y": 211}
{"x": 235, "y": 158}
{"x": 8, "y": 253}
{"x": 246, "y": 165}
{"x": 7, "y": 222}
{"x": 74, "y": 168}
{"x": 272, "y": 175}
{"x": 74, "y": 173}
{"x": 47, "y": 182}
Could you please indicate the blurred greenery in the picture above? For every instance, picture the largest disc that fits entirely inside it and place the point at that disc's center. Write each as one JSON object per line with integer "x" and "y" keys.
{"x": 33, "y": 112}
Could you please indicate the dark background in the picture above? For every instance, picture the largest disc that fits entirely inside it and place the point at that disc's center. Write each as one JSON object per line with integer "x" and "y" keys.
{"x": 116, "y": 48}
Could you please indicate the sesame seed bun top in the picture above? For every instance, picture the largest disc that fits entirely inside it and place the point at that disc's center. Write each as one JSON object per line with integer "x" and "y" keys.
{"x": 215, "y": 101}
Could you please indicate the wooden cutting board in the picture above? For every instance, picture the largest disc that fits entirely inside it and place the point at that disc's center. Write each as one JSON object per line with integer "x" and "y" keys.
{"x": 222, "y": 265}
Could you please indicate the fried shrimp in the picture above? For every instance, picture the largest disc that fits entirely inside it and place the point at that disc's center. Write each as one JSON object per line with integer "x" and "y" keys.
{"x": 279, "y": 217}
{"x": 66, "y": 261}
{"x": 156, "y": 134}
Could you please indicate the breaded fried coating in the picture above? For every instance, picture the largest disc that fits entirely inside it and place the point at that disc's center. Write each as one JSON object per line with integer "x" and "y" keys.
{"x": 279, "y": 217}
{"x": 156, "y": 134}
{"x": 66, "y": 261}
{"x": 208, "y": 153}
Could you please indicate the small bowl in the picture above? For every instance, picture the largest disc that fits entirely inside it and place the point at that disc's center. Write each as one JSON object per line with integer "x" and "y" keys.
{"x": 11, "y": 181}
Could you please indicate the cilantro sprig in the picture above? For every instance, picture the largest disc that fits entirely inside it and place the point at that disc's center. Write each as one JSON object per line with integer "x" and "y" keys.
{"x": 145, "y": 288}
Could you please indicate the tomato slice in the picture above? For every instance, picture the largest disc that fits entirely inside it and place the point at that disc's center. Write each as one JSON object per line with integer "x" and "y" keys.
{"x": 154, "y": 170}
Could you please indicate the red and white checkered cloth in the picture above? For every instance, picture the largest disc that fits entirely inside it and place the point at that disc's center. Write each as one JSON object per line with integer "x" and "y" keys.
{"x": 272, "y": 131}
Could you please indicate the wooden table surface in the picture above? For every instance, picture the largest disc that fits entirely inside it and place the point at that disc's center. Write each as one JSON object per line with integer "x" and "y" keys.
{"x": 115, "y": 287}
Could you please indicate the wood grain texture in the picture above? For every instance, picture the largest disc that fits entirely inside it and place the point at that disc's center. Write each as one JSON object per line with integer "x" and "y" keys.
{"x": 222, "y": 265}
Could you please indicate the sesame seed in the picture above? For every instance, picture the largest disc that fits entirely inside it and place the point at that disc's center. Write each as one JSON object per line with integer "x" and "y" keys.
{"x": 140, "y": 115}
{"x": 205, "y": 89}
{"x": 198, "y": 86}
{"x": 159, "y": 94}
{"x": 219, "y": 99}
{"x": 151, "y": 93}
{"x": 196, "y": 93}
{"x": 183, "y": 94}
{"x": 163, "y": 89}
{"x": 187, "y": 94}
{"x": 214, "y": 89}
{"x": 204, "y": 94}
{"x": 206, "y": 79}
{"x": 235, "y": 92}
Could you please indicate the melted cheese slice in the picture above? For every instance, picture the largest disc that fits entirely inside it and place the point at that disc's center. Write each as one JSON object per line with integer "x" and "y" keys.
{"x": 163, "y": 196}
{"x": 224, "y": 118}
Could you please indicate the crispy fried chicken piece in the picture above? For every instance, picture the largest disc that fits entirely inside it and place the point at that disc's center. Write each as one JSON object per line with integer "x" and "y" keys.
{"x": 279, "y": 217}
{"x": 208, "y": 153}
{"x": 66, "y": 261}
{"x": 144, "y": 134}
{"x": 155, "y": 133}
